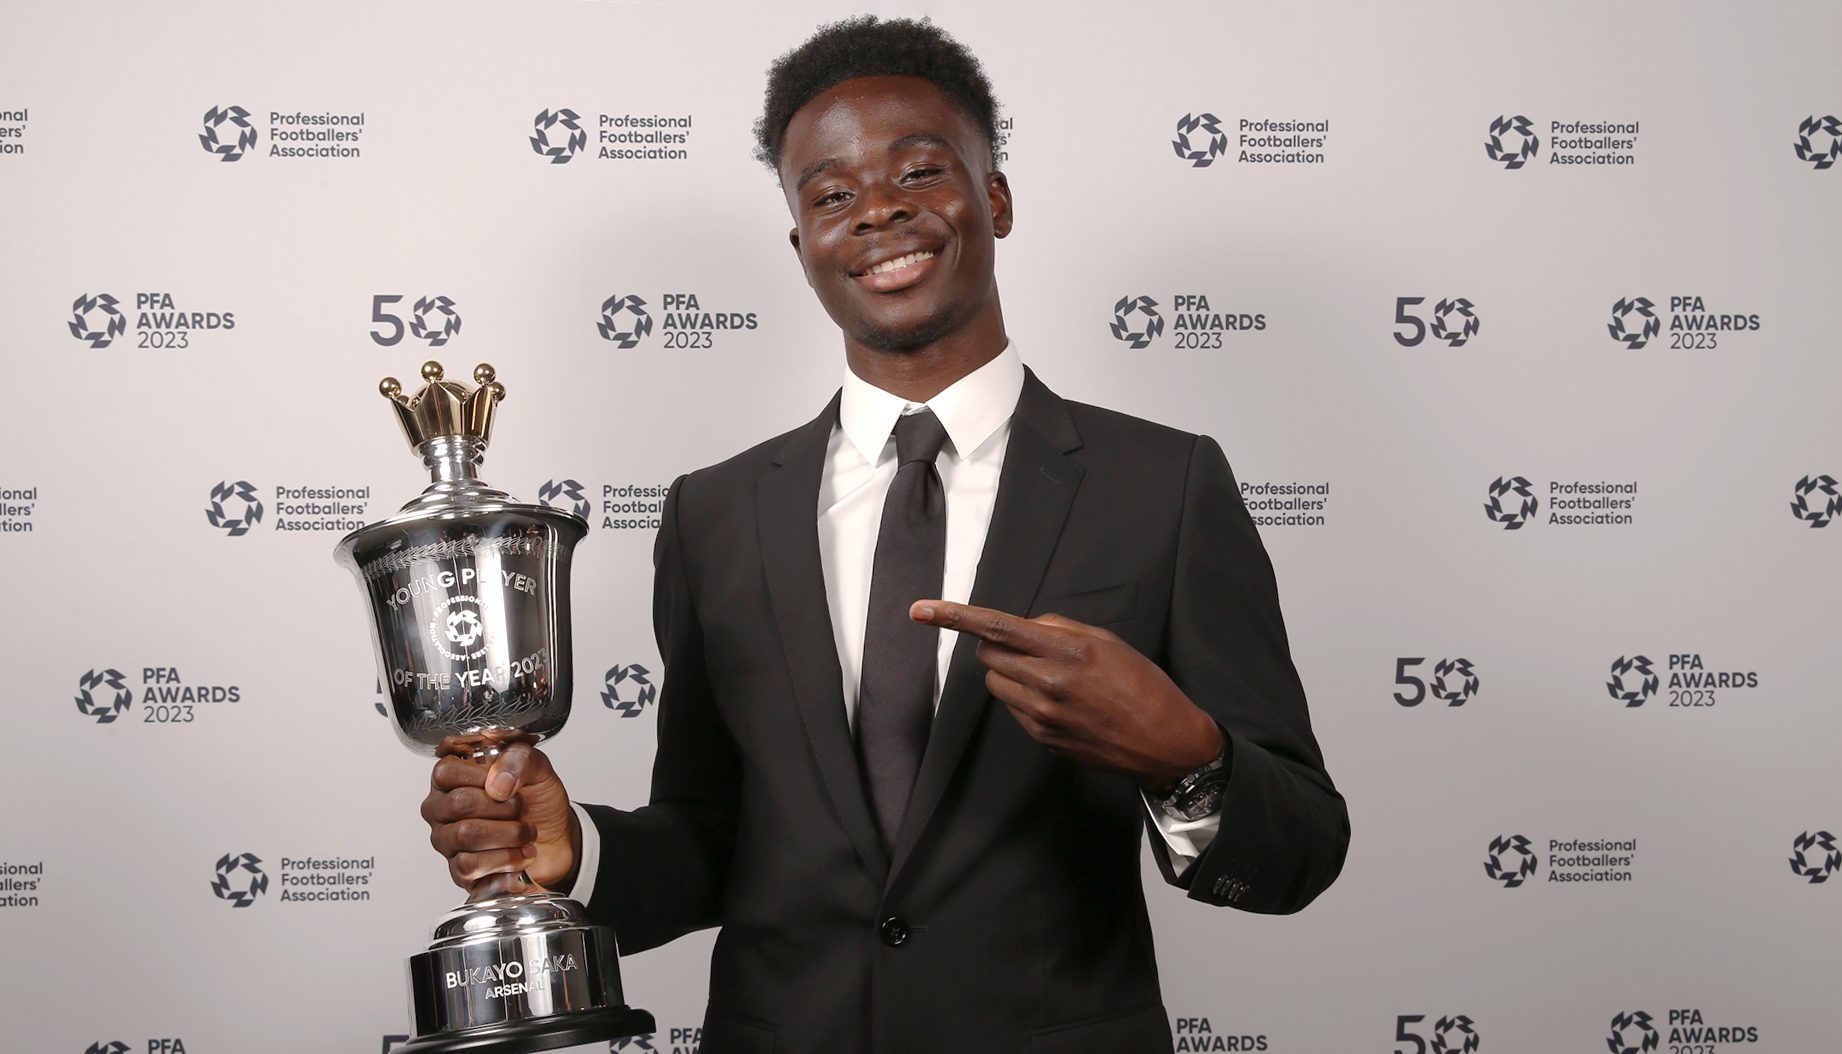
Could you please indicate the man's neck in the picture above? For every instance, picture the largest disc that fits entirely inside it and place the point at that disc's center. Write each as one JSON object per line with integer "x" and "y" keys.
{"x": 925, "y": 372}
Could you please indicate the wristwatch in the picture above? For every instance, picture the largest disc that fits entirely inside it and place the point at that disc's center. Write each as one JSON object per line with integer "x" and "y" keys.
{"x": 1199, "y": 793}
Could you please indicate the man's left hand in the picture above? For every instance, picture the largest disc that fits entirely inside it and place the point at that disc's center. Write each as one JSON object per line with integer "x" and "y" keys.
{"x": 1085, "y": 694}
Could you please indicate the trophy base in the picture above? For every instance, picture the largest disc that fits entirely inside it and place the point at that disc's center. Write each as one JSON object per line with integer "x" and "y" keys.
{"x": 519, "y": 973}
{"x": 586, "y": 1026}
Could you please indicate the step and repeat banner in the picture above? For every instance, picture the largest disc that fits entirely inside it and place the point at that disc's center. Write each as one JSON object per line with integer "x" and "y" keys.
{"x": 1518, "y": 322}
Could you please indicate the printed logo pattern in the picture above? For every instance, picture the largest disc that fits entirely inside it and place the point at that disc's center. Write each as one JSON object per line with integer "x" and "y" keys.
{"x": 113, "y": 1047}
{"x": 233, "y": 526}
{"x": 1632, "y": 1033}
{"x": 569, "y": 490}
{"x": 645, "y": 692}
{"x": 1815, "y": 866}
{"x": 1647, "y": 326}
{"x": 1123, "y": 323}
{"x": 1205, "y": 156}
{"x": 1828, "y": 125}
{"x": 1830, "y": 508}
{"x": 1511, "y": 519}
{"x": 251, "y": 880}
{"x": 1643, "y": 685}
{"x": 1458, "y": 332}
{"x": 103, "y": 710}
{"x": 1463, "y": 681}
{"x": 1454, "y": 1035}
{"x": 1510, "y": 860}
{"x": 611, "y": 322}
{"x": 239, "y": 120}
{"x": 1523, "y": 144}
{"x": 575, "y": 140}
{"x": 449, "y": 320}
{"x": 81, "y": 328}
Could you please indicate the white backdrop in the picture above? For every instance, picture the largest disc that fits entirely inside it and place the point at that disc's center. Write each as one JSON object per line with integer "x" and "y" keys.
{"x": 118, "y": 931}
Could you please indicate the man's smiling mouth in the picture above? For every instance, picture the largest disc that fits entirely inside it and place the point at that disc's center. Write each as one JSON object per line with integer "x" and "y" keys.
{"x": 899, "y": 262}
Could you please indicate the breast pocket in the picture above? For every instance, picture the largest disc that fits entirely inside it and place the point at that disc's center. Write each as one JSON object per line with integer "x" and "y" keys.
{"x": 1096, "y": 607}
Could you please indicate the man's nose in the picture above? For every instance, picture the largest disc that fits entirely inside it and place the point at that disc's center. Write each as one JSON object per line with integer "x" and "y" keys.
{"x": 880, "y": 207}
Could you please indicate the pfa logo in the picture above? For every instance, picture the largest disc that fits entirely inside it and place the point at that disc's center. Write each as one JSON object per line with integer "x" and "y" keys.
{"x": 1136, "y": 331}
{"x": 1819, "y": 510}
{"x": 240, "y": 497}
{"x": 1819, "y": 141}
{"x": 1454, "y": 1035}
{"x": 554, "y": 495}
{"x": 624, "y": 320}
{"x": 216, "y": 139}
{"x": 1521, "y": 500}
{"x": 1512, "y": 141}
{"x": 1455, "y": 331}
{"x": 1641, "y": 686}
{"x": 1637, "y": 332}
{"x": 94, "y": 701}
{"x": 107, "y": 1047}
{"x": 1510, "y": 860}
{"x": 572, "y": 135}
{"x": 1815, "y": 856}
{"x": 640, "y": 1043}
{"x": 112, "y": 322}
{"x": 239, "y": 880}
{"x": 643, "y": 691}
{"x": 434, "y": 319}
{"x": 1202, "y": 155}
{"x": 1632, "y": 1033}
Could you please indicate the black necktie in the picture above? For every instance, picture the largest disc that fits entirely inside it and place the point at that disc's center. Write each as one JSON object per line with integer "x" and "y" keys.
{"x": 895, "y": 698}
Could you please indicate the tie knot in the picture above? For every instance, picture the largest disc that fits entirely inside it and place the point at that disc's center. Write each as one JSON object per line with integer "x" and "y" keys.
{"x": 919, "y": 437}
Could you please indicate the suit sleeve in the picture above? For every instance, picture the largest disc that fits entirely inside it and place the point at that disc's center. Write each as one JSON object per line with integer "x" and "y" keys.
{"x": 663, "y": 866}
{"x": 1284, "y": 828}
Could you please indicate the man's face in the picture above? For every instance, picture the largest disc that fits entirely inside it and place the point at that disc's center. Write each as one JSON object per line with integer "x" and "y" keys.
{"x": 896, "y": 207}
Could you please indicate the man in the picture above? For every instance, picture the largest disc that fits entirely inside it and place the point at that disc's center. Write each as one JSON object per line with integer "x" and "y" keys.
{"x": 898, "y": 862}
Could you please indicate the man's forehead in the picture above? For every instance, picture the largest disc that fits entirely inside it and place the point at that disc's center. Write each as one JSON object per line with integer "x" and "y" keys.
{"x": 873, "y": 113}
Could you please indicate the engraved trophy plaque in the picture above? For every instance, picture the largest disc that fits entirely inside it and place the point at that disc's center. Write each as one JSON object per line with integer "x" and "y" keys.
{"x": 468, "y": 593}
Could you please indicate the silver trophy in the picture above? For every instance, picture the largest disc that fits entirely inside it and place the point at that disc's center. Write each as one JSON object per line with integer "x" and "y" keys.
{"x": 469, "y": 597}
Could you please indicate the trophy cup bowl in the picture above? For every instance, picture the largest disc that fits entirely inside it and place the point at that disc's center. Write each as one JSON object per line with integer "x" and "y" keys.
{"x": 468, "y": 593}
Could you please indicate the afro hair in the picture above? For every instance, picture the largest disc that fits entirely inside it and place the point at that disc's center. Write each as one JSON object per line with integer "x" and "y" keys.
{"x": 870, "y": 47}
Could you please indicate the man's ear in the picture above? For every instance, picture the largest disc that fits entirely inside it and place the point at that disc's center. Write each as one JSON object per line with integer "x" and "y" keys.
{"x": 793, "y": 237}
{"x": 998, "y": 189}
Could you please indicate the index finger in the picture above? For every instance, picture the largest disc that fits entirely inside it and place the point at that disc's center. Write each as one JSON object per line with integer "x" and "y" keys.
{"x": 1008, "y": 631}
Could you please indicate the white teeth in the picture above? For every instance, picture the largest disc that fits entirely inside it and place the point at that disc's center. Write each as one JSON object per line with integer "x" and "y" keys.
{"x": 900, "y": 262}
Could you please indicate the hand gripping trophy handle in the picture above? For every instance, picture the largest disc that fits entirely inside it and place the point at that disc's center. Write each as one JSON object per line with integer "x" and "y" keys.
{"x": 468, "y": 596}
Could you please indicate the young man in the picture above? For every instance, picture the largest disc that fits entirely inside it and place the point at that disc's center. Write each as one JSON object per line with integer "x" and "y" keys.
{"x": 919, "y": 840}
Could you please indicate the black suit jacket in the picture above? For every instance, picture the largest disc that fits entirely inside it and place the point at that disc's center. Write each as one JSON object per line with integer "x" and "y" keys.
{"x": 1016, "y": 873}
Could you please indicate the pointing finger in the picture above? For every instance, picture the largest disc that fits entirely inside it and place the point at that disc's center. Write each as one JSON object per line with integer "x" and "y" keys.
{"x": 996, "y": 627}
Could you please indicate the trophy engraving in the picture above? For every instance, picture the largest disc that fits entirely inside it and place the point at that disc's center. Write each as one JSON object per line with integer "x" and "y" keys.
{"x": 468, "y": 595}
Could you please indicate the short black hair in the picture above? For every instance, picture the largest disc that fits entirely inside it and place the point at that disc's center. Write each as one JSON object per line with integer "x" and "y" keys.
{"x": 867, "y": 46}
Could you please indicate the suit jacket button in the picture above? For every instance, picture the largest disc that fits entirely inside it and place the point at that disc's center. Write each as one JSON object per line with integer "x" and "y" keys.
{"x": 894, "y": 932}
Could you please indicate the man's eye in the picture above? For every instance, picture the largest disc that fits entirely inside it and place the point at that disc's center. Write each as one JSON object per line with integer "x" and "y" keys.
{"x": 922, "y": 173}
{"x": 833, "y": 198}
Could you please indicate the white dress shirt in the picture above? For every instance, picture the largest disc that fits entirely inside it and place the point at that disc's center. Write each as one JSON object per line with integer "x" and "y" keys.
{"x": 860, "y": 463}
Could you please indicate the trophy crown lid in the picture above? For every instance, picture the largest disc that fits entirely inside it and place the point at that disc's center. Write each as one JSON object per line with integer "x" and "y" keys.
{"x": 445, "y": 408}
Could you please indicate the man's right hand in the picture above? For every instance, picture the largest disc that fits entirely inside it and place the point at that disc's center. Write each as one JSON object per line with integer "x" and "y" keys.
{"x": 510, "y": 816}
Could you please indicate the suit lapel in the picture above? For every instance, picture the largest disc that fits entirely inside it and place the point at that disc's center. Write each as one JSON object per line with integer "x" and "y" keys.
{"x": 786, "y": 509}
{"x": 1035, "y": 489}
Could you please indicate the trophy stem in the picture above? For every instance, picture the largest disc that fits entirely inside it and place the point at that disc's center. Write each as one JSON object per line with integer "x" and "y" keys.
{"x": 452, "y": 459}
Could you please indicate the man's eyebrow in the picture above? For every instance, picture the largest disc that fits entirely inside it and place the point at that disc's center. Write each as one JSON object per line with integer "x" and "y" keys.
{"x": 918, "y": 139}
{"x": 813, "y": 170}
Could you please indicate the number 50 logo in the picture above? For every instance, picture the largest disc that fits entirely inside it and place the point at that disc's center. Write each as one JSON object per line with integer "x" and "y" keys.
{"x": 1451, "y": 1035}
{"x": 1454, "y": 321}
{"x": 433, "y": 319}
{"x": 1454, "y": 681}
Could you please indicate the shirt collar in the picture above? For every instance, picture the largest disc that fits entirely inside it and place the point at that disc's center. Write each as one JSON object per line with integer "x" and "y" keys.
{"x": 972, "y": 409}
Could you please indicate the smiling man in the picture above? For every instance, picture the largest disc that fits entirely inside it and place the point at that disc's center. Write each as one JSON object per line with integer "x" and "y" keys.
{"x": 937, "y": 661}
